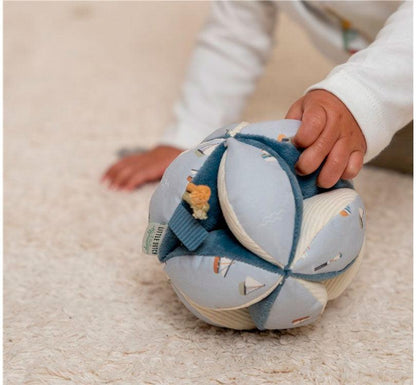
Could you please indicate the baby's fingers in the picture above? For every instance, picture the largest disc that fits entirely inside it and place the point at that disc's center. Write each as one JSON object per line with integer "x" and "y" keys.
{"x": 151, "y": 172}
{"x": 121, "y": 177}
{"x": 335, "y": 165}
{"x": 355, "y": 163}
{"x": 314, "y": 121}
{"x": 112, "y": 171}
{"x": 295, "y": 111}
{"x": 314, "y": 155}
{"x": 137, "y": 180}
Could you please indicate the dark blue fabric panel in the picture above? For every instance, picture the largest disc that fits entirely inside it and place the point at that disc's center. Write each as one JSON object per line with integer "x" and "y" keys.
{"x": 222, "y": 243}
{"x": 259, "y": 312}
{"x": 207, "y": 175}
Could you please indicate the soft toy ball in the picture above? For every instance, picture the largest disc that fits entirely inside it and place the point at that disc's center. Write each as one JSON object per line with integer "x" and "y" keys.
{"x": 244, "y": 240}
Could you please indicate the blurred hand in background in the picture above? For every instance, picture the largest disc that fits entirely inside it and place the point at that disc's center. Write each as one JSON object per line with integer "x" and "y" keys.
{"x": 138, "y": 169}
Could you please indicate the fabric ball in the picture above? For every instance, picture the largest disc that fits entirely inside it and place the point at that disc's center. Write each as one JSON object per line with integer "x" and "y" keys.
{"x": 245, "y": 241}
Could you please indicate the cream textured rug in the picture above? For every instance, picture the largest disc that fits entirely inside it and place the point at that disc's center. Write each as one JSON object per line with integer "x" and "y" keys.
{"x": 82, "y": 305}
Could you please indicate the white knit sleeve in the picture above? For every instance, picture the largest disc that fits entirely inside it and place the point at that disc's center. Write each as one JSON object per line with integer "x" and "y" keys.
{"x": 230, "y": 54}
{"x": 376, "y": 83}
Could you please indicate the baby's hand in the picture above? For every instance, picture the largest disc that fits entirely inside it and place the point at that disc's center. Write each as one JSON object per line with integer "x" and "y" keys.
{"x": 328, "y": 132}
{"x": 135, "y": 170}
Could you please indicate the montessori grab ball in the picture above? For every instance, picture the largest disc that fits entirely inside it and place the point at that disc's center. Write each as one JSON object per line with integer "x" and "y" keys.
{"x": 244, "y": 240}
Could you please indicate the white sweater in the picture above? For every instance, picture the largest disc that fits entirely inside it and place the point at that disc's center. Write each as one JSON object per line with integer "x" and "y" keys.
{"x": 375, "y": 83}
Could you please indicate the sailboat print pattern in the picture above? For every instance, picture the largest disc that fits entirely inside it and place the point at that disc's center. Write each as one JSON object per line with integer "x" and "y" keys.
{"x": 222, "y": 265}
{"x": 267, "y": 157}
{"x": 249, "y": 285}
{"x": 346, "y": 212}
{"x": 283, "y": 138}
{"x": 338, "y": 256}
{"x": 206, "y": 149}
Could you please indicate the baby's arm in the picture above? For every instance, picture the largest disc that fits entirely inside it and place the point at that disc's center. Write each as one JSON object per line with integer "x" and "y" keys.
{"x": 370, "y": 97}
{"x": 230, "y": 54}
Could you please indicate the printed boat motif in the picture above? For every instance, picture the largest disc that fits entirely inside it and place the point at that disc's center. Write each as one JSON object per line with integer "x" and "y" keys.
{"x": 205, "y": 149}
{"x": 222, "y": 265}
{"x": 267, "y": 157}
{"x": 346, "y": 212}
{"x": 249, "y": 285}
{"x": 338, "y": 256}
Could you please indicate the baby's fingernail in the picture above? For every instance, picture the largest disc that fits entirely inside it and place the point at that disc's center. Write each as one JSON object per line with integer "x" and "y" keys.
{"x": 298, "y": 171}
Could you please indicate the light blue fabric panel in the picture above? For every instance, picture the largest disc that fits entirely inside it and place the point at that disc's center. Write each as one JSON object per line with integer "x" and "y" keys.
{"x": 195, "y": 312}
{"x": 337, "y": 244}
{"x": 173, "y": 184}
{"x": 261, "y": 195}
{"x": 218, "y": 283}
{"x": 221, "y": 132}
{"x": 293, "y": 303}
{"x": 272, "y": 129}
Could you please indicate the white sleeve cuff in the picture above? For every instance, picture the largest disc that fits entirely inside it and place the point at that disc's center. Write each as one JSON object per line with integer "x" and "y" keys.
{"x": 363, "y": 105}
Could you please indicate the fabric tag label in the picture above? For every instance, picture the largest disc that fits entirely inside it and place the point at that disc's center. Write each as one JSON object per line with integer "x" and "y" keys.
{"x": 153, "y": 238}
